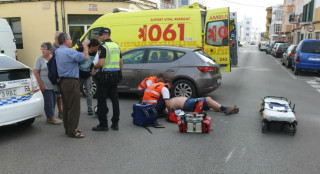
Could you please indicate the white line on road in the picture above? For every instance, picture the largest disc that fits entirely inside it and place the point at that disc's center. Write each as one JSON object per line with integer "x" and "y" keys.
{"x": 318, "y": 90}
{"x": 312, "y": 82}
{"x": 243, "y": 151}
{"x": 316, "y": 86}
{"x": 230, "y": 154}
{"x": 285, "y": 69}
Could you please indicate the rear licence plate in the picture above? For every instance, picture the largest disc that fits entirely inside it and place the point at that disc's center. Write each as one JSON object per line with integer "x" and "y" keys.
{"x": 314, "y": 58}
{"x": 8, "y": 93}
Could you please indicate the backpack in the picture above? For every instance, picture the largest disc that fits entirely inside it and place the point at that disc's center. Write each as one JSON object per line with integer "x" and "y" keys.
{"x": 53, "y": 70}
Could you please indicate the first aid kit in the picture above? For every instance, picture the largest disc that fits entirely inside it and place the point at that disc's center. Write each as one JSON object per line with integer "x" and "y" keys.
{"x": 194, "y": 123}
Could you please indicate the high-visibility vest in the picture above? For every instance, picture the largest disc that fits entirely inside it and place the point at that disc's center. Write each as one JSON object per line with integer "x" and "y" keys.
{"x": 143, "y": 84}
{"x": 112, "y": 56}
{"x": 153, "y": 93}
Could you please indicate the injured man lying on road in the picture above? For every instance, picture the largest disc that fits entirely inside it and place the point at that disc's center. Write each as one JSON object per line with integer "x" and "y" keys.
{"x": 188, "y": 105}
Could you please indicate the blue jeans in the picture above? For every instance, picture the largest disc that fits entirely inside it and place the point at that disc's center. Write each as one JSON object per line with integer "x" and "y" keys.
{"x": 190, "y": 104}
{"x": 88, "y": 83}
{"x": 50, "y": 98}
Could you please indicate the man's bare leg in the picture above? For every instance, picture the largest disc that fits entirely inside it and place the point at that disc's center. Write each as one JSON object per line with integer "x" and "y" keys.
{"x": 217, "y": 107}
{"x": 213, "y": 104}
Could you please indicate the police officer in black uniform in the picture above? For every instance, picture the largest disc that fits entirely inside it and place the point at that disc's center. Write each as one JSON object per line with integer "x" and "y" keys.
{"x": 109, "y": 75}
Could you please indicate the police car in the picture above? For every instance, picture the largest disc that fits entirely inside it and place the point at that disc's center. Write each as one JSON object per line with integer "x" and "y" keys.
{"x": 20, "y": 98}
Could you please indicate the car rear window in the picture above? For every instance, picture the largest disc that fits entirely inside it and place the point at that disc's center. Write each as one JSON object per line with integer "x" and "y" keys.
{"x": 311, "y": 47}
{"x": 203, "y": 56}
{"x": 8, "y": 63}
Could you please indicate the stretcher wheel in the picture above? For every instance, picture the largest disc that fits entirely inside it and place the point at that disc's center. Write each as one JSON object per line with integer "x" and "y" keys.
{"x": 292, "y": 129}
{"x": 264, "y": 127}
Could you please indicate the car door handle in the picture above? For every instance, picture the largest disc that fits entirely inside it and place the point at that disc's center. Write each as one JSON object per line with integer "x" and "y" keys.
{"x": 170, "y": 70}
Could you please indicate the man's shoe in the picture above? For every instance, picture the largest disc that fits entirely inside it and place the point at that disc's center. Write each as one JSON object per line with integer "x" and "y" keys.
{"x": 115, "y": 127}
{"x": 231, "y": 110}
{"x": 90, "y": 112}
{"x": 100, "y": 128}
{"x": 55, "y": 121}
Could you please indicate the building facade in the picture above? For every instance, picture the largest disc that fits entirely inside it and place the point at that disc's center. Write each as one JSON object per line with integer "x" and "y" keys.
{"x": 36, "y": 21}
{"x": 275, "y": 29}
{"x": 268, "y": 20}
{"x": 287, "y": 27}
{"x": 247, "y": 27}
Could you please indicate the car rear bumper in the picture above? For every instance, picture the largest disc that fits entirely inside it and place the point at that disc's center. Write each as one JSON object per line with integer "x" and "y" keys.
{"x": 17, "y": 112}
{"x": 308, "y": 66}
{"x": 207, "y": 85}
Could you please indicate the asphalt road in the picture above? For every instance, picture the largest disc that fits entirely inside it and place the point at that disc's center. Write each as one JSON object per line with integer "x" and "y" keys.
{"x": 235, "y": 145}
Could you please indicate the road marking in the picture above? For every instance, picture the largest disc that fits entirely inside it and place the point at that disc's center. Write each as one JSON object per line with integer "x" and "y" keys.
{"x": 243, "y": 151}
{"x": 318, "y": 90}
{"x": 285, "y": 69}
{"x": 312, "y": 82}
{"x": 230, "y": 154}
{"x": 316, "y": 86}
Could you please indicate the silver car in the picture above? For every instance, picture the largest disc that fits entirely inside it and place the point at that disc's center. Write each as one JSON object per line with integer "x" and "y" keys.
{"x": 192, "y": 71}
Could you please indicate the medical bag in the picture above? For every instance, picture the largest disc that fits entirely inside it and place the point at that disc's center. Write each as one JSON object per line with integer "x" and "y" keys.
{"x": 194, "y": 123}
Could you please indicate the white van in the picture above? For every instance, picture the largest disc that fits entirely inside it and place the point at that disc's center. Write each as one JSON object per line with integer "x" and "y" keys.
{"x": 7, "y": 41}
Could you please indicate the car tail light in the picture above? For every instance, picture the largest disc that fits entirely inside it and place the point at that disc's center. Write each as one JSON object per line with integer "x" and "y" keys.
{"x": 278, "y": 49}
{"x": 16, "y": 55}
{"x": 291, "y": 54}
{"x": 298, "y": 59}
{"x": 206, "y": 69}
{"x": 34, "y": 82}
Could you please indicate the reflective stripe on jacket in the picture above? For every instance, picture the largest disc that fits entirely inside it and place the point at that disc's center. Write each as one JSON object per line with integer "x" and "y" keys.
{"x": 153, "y": 93}
{"x": 143, "y": 84}
{"x": 112, "y": 56}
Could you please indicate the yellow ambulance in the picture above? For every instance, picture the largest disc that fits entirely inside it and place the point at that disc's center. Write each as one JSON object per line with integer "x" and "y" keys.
{"x": 190, "y": 26}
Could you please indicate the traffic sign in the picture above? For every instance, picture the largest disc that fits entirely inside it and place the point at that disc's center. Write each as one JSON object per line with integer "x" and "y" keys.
{"x": 311, "y": 28}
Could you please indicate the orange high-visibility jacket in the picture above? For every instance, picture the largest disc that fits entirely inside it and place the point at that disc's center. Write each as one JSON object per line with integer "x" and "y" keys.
{"x": 153, "y": 93}
{"x": 143, "y": 84}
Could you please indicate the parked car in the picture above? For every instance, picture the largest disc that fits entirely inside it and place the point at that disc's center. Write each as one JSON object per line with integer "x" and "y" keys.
{"x": 20, "y": 98}
{"x": 288, "y": 56}
{"x": 263, "y": 46}
{"x": 280, "y": 49}
{"x": 192, "y": 71}
{"x": 268, "y": 49}
{"x": 273, "y": 50}
{"x": 307, "y": 56}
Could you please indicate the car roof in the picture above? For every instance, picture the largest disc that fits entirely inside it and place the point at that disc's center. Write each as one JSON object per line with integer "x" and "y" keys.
{"x": 166, "y": 47}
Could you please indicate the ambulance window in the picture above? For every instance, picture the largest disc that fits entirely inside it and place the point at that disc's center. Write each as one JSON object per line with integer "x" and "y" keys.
{"x": 91, "y": 34}
{"x": 133, "y": 57}
{"x": 160, "y": 56}
{"x": 217, "y": 33}
{"x": 203, "y": 20}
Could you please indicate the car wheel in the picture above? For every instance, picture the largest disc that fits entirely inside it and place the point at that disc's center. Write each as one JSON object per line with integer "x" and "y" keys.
{"x": 287, "y": 64}
{"x": 94, "y": 88}
{"x": 26, "y": 122}
{"x": 283, "y": 62}
{"x": 183, "y": 88}
{"x": 296, "y": 71}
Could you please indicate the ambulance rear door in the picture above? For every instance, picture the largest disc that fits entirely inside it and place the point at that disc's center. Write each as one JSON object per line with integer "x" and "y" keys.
{"x": 216, "y": 36}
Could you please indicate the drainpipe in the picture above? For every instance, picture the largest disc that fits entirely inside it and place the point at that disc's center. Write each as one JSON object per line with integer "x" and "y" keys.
{"x": 63, "y": 16}
{"x": 56, "y": 15}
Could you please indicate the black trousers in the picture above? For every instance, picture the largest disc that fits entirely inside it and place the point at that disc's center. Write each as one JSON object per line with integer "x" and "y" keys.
{"x": 107, "y": 88}
{"x": 160, "y": 107}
